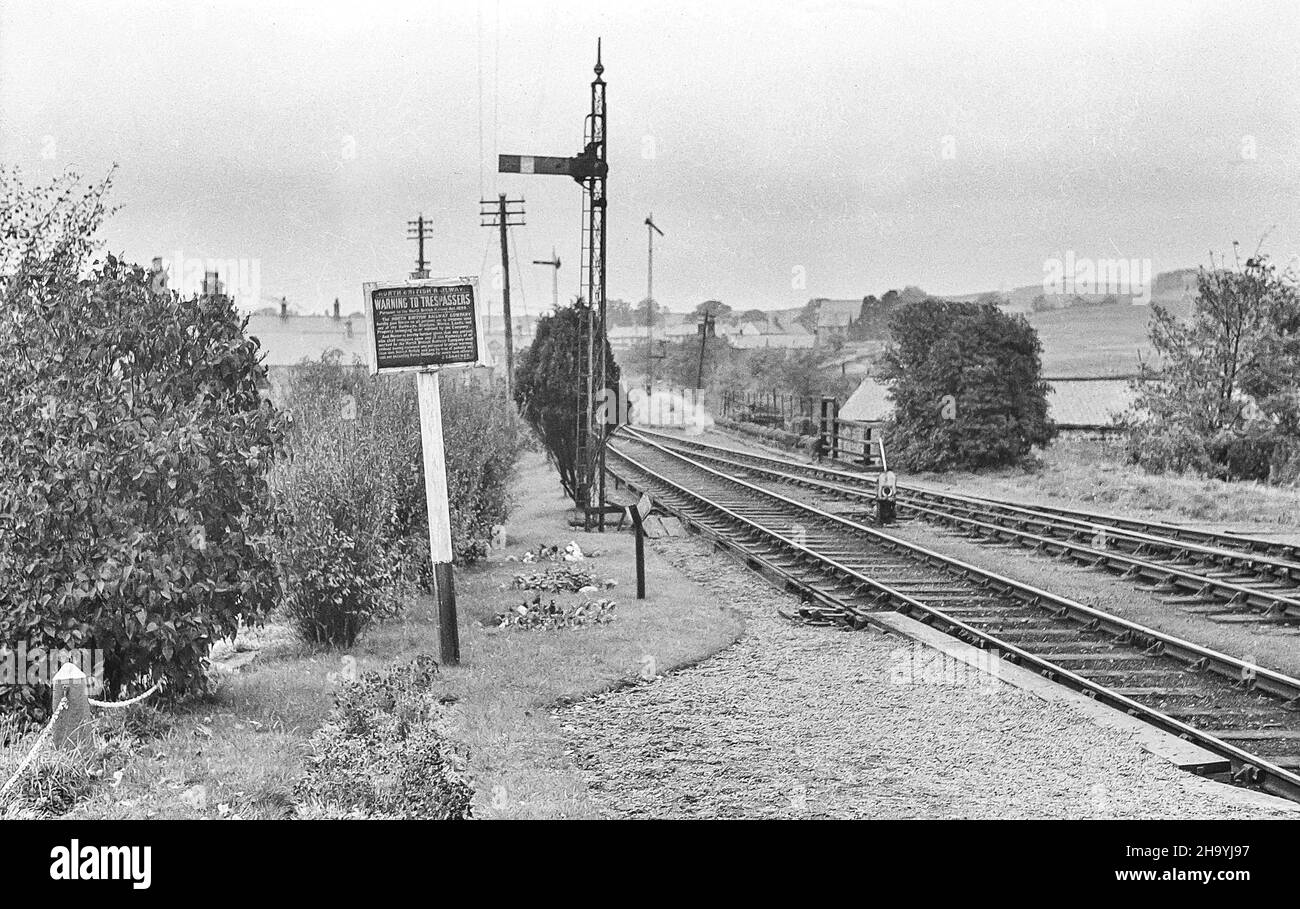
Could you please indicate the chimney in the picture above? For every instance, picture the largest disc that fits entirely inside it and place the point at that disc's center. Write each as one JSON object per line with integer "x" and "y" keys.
{"x": 284, "y": 307}
{"x": 336, "y": 309}
{"x": 211, "y": 284}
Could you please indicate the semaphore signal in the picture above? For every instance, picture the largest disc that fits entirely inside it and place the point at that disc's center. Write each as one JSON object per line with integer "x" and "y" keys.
{"x": 590, "y": 169}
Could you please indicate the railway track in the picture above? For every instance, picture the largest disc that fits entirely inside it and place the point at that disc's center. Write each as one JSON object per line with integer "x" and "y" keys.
{"x": 846, "y": 570}
{"x": 1244, "y": 581}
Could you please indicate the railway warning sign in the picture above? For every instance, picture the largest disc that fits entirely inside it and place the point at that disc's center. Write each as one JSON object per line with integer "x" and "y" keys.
{"x": 423, "y": 324}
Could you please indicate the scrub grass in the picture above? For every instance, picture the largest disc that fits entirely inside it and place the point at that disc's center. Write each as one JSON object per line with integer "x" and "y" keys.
{"x": 1091, "y": 474}
{"x": 241, "y": 754}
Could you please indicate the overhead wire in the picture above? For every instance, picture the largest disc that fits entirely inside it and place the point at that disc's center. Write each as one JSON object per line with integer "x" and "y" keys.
{"x": 480, "y": 100}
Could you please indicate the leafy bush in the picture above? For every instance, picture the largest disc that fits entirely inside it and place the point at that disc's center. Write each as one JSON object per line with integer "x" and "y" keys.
{"x": 351, "y": 495}
{"x": 481, "y": 438}
{"x": 133, "y": 503}
{"x": 966, "y": 382}
{"x": 338, "y": 514}
{"x": 384, "y": 752}
{"x": 338, "y": 497}
{"x": 1221, "y": 399}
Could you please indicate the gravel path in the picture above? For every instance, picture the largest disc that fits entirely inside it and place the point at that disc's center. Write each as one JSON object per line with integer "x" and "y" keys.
{"x": 798, "y": 721}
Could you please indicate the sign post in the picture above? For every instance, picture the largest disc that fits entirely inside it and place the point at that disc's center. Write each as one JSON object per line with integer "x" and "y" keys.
{"x": 419, "y": 326}
{"x": 640, "y": 511}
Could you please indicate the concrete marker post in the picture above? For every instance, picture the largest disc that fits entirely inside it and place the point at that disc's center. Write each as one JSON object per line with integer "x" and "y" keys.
{"x": 72, "y": 726}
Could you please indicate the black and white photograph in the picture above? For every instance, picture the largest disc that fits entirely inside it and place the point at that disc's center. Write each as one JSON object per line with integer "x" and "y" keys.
{"x": 649, "y": 414}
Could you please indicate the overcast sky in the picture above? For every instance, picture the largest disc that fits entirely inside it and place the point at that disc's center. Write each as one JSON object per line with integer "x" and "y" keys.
{"x": 788, "y": 150}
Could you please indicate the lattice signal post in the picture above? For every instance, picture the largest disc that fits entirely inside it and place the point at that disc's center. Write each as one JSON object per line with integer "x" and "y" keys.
{"x": 589, "y": 168}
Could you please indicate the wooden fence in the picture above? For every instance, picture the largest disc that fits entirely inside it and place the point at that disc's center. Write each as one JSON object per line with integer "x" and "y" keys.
{"x": 856, "y": 443}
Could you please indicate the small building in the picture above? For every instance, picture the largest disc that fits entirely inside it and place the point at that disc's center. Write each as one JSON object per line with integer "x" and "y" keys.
{"x": 869, "y": 402}
{"x": 834, "y": 318}
{"x": 682, "y": 330}
{"x": 627, "y": 337}
{"x": 288, "y": 338}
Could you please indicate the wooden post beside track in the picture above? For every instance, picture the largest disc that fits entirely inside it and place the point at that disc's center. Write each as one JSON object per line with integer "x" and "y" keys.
{"x": 418, "y": 326}
{"x": 439, "y": 512}
{"x": 640, "y": 511}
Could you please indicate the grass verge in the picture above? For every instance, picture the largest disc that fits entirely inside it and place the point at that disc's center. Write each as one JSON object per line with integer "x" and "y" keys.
{"x": 241, "y": 754}
{"x": 1092, "y": 474}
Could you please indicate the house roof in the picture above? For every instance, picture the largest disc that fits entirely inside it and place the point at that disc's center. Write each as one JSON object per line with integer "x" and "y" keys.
{"x": 1071, "y": 403}
{"x": 1087, "y": 403}
{"x": 838, "y": 313}
{"x": 870, "y": 401}
{"x": 290, "y": 340}
{"x": 681, "y": 329}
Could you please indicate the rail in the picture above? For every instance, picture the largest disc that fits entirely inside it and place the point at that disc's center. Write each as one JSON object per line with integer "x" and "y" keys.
{"x": 1193, "y": 657}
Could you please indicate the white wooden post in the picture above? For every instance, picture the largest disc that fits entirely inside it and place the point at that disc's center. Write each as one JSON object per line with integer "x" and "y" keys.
{"x": 435, "y": 494}
{"x": 72, "y": 727}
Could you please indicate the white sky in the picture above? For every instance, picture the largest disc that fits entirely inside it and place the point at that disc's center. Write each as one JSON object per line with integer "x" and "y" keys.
{"x": 766, "y": 137}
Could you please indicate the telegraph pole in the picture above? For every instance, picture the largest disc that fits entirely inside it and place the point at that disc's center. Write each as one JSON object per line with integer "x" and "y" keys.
{"x": 590, "y": 169}
{"x": 416, "y": 230}
{"x": 707, "y": 331}
{"x": 554, "y": 262}
{"x": 650, "y": 231}
{"x": 499, "y": 214}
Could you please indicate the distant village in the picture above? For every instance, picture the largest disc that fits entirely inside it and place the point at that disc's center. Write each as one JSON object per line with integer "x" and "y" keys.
{"x": 849, "y": 333}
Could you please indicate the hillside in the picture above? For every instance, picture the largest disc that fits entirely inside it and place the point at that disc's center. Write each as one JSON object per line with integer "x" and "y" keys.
{"x": 1096, "y": 340}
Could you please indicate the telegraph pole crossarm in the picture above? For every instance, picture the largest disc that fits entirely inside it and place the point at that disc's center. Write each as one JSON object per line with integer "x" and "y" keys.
{"x": 418, "y": 230}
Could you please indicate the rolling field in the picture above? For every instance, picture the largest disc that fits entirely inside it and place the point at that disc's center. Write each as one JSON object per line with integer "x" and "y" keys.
{"x": 1096, "y": 340}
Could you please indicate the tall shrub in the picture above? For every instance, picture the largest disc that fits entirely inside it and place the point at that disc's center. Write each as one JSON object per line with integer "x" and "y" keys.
{"x": 966, "y": 381}
{"x": 133, "y": 500}
{"x": 354, "y": 535}
{"x": 340, "y": 533}
{"x": 481, "y": 434}
{"x": 1222, "y": 397}
{"x": 547, "y": 383}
